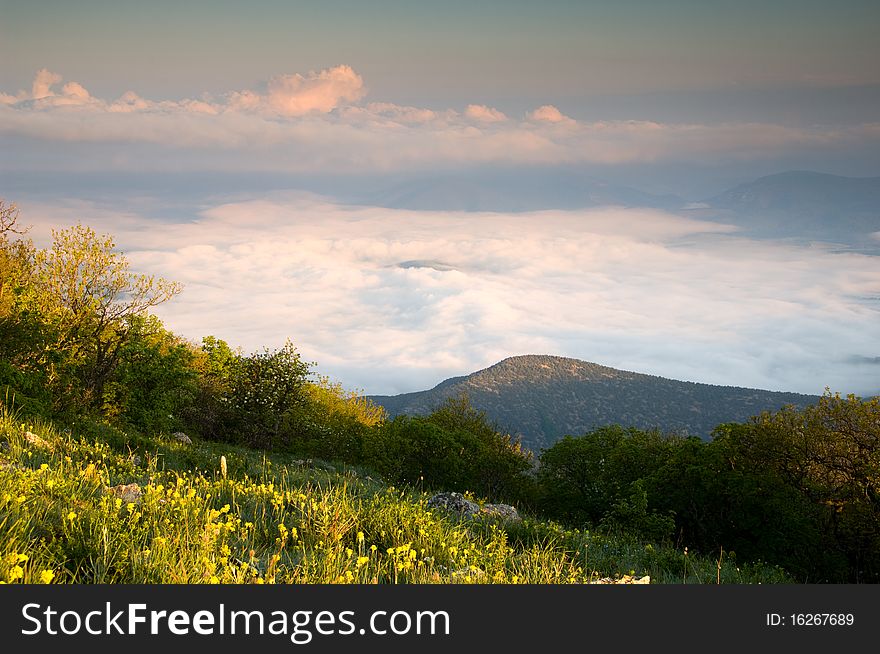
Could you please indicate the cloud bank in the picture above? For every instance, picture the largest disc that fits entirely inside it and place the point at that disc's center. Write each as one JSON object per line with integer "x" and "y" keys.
{"x": 320, "y": 122}
{"x": 391, "y": 300}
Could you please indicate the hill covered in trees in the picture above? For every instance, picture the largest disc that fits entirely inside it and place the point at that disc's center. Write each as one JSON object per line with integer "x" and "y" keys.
{"x": 543, "y": 398}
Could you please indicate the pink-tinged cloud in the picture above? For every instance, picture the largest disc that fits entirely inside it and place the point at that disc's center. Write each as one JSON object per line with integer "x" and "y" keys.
{"x": 393, "y": 112}
{"x": 322, "y": 92}
{"x": 75, "y": 91}
{"x": 128, "y": 102}
{"x": 316, "y": 123}
{"x": 548, "y": 114}
{"x": 484, "y": 114}
{"x": 43, "y": 82}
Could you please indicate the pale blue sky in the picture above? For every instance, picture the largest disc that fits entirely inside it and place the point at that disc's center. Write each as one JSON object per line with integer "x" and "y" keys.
{"x": 506, "y": 53}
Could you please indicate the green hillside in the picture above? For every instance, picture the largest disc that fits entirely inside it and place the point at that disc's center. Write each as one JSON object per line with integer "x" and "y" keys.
{"x": 98, "y": 505}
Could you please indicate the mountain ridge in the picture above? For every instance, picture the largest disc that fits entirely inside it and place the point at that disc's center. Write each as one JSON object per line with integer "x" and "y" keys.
{"x": 544, "y": 397}
{"x": 806, "y": 205}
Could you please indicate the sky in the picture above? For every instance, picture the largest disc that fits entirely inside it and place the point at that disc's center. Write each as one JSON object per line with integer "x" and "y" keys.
{"x": 245, "y": 148}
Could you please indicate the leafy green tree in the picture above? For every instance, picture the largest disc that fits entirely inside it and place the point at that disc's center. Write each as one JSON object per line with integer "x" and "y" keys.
{"x": 266, "y": 390}
{"x": 629, "y": 516}
{"x": 827, "y": 456}
{"x": 501, "y": 463}
{"x": 22, "y": 334}
{"x": 455, "y": 448}
{"x": 155, "y": 380}
{"x": 333, "y": 423}
{"x": 414, "y": 450}
{"x": 582, "y": 478}
{"x": 86, "y": 293}
{"x": 210, "y": 414}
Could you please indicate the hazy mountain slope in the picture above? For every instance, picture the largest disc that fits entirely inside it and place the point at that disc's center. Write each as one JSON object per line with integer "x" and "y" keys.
{"x": 512, "y": 192}
{"x": 808, "y": 205}
{"x": 546, "y": 397}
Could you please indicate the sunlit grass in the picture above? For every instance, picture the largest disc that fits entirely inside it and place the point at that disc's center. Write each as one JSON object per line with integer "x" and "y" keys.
{"x": 272, "y": 520}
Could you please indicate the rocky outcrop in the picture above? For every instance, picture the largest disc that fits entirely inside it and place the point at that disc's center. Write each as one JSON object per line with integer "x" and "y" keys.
{"x": 459, "y": 504}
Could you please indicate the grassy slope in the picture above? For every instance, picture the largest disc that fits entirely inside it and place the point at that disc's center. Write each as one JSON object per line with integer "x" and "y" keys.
{"x": 273, "y": 519}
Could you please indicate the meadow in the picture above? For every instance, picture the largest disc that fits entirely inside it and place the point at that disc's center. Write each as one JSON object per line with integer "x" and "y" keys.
{"x": 93, "y": 504}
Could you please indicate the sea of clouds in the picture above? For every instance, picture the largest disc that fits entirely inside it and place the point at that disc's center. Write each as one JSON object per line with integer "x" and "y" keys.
{"x": 394, "y": 300}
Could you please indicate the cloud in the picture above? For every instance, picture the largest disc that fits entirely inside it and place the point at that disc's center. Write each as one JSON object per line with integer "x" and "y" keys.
{"x": 297, "y": 95}
{"x": 43, "y": 82}
{"x": 549, "y": 114}
{"x": 484, "y": 114}
{"x": 317, "y": 123}
{"x": 391, "y": 300}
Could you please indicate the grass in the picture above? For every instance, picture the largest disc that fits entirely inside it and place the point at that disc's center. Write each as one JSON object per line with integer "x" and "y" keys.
{"x": 274, "y": 519}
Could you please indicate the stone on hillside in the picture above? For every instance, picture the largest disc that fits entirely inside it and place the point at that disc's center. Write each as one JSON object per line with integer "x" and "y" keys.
{"x": 128, "y": 493}
{"x": 503, "y": 511}
{"x": 183, "y": 438}
{"x": 458, "y": 503}
{"x": 36, "y": 441}
{"x": 455, "y": 503}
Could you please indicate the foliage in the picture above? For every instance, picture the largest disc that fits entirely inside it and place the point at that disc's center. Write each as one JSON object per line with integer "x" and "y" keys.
{"x": 798, "y": 488}
{"x": 22, "y": 335}
{"x": 154, "y": 381}
{"x": 265, "y": 388}
{"x": 582, "y": 478}
{"x": 454, "y": 448}
{"x": 827, "y": 456}
{"x": 71, "y": 309}
{"x": 333, "y": 423}
{"x": 269, "y": 520}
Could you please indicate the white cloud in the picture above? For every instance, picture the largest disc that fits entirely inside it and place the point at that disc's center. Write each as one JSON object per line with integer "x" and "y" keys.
{"x": 391, "y": 300}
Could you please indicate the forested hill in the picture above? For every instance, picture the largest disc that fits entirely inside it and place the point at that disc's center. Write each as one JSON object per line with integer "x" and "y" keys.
{"x": 546, "y": 397}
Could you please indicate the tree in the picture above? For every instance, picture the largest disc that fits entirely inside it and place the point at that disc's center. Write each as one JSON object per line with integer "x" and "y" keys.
{"x": 155, "y": 381}
{"x": 501, "y": 462}
{"x": 828, "y": 455}
{"x": 22, "y": 333}
{"x": 265, "y": 389}
{"x": 85, "y": 291}
{"x": 582, "y": 478}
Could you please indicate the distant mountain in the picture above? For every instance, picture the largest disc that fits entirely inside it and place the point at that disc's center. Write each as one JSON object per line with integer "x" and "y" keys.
{"x": 515, "y": 192}
{"x": 807, "y": 205}
{"x": 546, "y": 397}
